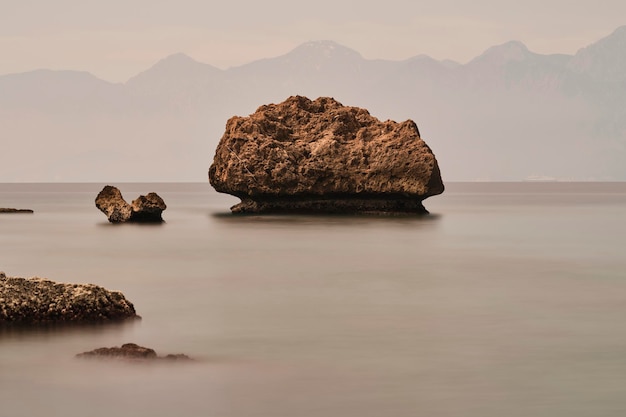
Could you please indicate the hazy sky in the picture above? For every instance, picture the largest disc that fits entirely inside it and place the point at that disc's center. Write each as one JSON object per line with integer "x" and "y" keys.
{"x": 115, "y": 39}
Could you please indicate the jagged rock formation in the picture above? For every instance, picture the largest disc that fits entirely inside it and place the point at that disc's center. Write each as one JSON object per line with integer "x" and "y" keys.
{"x": 111, "y": 203}
{"x": 34, "y": 301}
{"x": 321, "y": 156}
{"x": 130, "y": 351}
{"x": 14, "y": 210}
{"x": 145, "y": 209}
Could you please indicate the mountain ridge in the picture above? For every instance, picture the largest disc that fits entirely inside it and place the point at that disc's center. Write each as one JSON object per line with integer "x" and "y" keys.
{"x": 513, "y": 111}
{"x": 329, "y": 46}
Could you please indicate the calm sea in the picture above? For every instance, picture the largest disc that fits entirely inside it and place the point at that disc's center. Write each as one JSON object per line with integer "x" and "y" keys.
{"x": 508, "y": 300}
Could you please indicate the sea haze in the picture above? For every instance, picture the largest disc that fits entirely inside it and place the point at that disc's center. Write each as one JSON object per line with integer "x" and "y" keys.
{"x": 508, "y": 300}
{"x": 506, "y": 115}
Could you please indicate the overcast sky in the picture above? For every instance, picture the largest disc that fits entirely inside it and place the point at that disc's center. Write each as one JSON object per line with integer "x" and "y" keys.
{"x": 116, "y": 39}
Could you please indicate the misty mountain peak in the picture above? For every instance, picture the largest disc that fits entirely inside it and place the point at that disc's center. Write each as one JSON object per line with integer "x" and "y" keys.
{"x": 324, "y": 49}
{"x": 176, "y": 59}
{"x": 40, "y": 75}
{"x": 501, "y": 54}
{"x": 617, "y": 39}
{"x": 421, "y": 58}
{"x": 604, "y": 59}
{"x": 176, "y": 66}
{"x": 620, "y": 31}
{"x": 180, "y": 61}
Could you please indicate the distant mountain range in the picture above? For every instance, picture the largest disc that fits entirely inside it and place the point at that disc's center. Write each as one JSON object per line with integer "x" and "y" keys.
{"x": 507, "y": 115}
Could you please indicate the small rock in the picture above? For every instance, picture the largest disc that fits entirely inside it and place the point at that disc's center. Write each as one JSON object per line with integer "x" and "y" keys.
{"x": 145, "y": 209}
{"x": 111, "y": 203}
{"x": 148, "y": 208}
{"x": 130, "y": 351}
{"x": 14, "y": 210}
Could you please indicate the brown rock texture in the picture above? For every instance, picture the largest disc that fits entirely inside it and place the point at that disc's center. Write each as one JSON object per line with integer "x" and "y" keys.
{"x": 111, "y": 203}
{"x": 130, "y": 351}
{"x": 322, "y": 157}
{"x": 34, "y": 301}
{"x": 14, "y": 210}
{"x": 145, "y": 209}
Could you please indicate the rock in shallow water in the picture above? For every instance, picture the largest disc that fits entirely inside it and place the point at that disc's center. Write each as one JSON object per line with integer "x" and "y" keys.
{"x": 130, "y": 351}
{"x": 321, "y": 156}
{"x": 145, "y": 209}
{"x": 35, "y": 301}
{"x": 14, "y": 210}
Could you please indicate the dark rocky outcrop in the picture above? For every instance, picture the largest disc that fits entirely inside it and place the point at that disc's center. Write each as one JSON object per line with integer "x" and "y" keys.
{"x": 130, "y": 351}
{"x": 145, "y": 209}
{"x": 38, "y": 301}
{"x": 321, "y": 156}
{"x": 14, "y": 210}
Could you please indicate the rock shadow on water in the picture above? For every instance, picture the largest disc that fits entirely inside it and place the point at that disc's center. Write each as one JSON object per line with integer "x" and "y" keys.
{"x": 53, "y": 330}
{"x": 324, "y": 219}
{"x": 133, "y": 224}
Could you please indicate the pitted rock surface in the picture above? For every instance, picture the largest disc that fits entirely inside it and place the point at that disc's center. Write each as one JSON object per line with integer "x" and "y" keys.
{"x": 34, "y": 301}
{"x": 145, "y": 209}
{"x": 321, "y": 156}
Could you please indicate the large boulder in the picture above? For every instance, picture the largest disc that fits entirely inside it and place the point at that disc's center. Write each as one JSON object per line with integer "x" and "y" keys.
{"x": 34, "y": 301}
{"x": 145, "y": 209}
{"x": 321, "y": 156}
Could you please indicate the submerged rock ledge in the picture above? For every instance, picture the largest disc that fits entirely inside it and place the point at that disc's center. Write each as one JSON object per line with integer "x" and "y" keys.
{"x": 14, "y": 210}
{"x": 322, "y": 157}
{"x": 130, "y": 351}
{"x": 38, "y": 301}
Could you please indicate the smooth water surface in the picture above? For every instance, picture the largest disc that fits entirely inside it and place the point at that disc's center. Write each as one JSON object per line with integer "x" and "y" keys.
{"x": 508, "y": 300}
